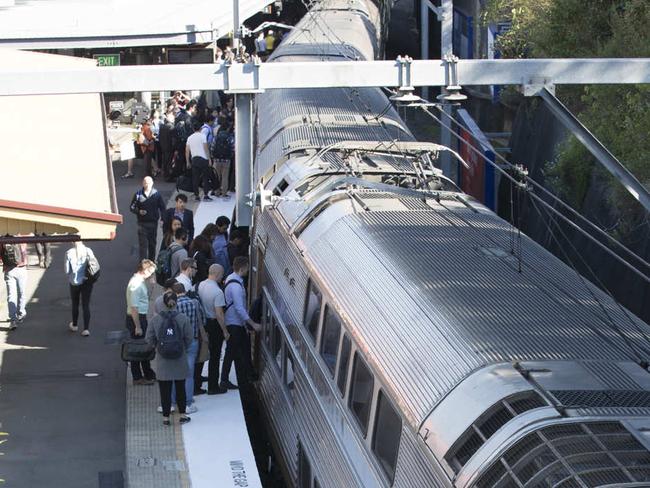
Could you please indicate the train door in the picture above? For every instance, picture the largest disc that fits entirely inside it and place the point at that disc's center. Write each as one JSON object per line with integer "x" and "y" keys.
{"x": 255, "y": 290}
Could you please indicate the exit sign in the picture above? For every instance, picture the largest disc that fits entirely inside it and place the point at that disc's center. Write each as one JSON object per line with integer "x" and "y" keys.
{"x": 107, "y": 59}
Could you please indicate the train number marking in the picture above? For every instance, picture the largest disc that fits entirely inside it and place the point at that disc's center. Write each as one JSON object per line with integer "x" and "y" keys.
{"x": 238, "y": 474}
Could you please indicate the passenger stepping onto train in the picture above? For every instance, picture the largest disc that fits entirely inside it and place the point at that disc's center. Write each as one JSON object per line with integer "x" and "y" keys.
{"x": 238, "y": 322}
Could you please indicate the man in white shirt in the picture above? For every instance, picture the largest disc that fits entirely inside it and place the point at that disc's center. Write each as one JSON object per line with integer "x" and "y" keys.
{"x": 188, "y": 269}
{"x": 197, "y": 154}
{"x": 214, "y": 302}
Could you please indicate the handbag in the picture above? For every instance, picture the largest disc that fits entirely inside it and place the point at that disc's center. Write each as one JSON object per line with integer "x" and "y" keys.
{"x": 92, "y": 268}
{"x": 137, "y": 350}
{"x": 204, "y": 349}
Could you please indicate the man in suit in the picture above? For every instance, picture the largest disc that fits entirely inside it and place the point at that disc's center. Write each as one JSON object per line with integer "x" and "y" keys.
{"x": 186, "y": 216}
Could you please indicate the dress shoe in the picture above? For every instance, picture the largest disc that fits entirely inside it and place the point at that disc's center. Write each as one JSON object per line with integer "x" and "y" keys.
{"x": 217, "y": 391}
{"x": 228, "y": 385}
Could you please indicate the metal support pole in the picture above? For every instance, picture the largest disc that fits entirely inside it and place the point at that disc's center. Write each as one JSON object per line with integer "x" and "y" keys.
{"x": 235, "y": 25}
{"x": 446, "y": 49}
{"x": 243, "y": 157}
{"x": 424, "y": 38}
{"x": 596, "y": 148}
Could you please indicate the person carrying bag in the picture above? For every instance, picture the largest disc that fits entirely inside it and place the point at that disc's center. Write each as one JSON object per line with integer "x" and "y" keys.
{"x": 170, "y": 334}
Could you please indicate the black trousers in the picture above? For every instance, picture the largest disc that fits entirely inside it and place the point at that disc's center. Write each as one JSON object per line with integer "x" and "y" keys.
{"x": 82, "y": 292}
{"x": 140, "y": 369}
{"x": 215, "y": 338}
{"x": 200, "y": 175}
{"x": 147, "y": 240}
{"x": 237, "y": 351}
{"x": 166, "y": 396}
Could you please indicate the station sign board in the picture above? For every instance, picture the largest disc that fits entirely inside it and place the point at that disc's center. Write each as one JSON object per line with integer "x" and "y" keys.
{"x": 107, "y": 59}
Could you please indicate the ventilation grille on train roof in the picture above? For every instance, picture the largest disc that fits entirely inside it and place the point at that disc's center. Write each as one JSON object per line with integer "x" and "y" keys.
{"x": 603, "y": 398}
{"x": 571, "y": 455}
{"x": 487, "y": 424}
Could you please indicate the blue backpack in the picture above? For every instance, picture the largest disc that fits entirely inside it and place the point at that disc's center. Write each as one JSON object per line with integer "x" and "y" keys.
{"x": 170, "y": 344}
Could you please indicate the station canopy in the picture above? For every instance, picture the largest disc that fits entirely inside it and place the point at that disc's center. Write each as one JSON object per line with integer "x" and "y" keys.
{"x": 66, "y": 24}
{"x": 56, "y": 176}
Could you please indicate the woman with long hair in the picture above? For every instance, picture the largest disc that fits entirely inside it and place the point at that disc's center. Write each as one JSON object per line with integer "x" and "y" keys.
{"x": 81, "y": 287}
{"x": 201, "y": 252}
{"x": 168, "y": 238}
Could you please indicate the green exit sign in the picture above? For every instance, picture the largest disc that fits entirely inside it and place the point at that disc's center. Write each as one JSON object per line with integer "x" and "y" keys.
{"x": 107, "y": 59}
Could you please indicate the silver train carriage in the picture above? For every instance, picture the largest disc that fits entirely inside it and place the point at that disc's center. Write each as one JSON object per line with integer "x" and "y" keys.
{"x": 401, "y": 346}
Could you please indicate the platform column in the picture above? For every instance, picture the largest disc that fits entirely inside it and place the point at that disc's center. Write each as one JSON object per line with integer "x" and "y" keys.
{"x": 243, "y": 157}
{"x": 446, "y": 48}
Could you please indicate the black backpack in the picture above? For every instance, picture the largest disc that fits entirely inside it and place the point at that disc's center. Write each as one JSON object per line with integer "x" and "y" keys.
{"x": 221, "y": 146}
{"x": 170, "y": 344}
{"x": 183, "y": 129}
{"x": 10, "y": 255}
{"x": 164, "y": 263}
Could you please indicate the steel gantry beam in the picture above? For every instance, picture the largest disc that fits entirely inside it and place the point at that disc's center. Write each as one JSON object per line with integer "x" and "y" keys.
{"x": 596, "y": 148}
{"x": 251, "y": 78}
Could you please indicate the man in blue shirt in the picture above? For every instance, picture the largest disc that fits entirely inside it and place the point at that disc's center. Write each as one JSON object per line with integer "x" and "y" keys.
{"x": 237, "y": 322}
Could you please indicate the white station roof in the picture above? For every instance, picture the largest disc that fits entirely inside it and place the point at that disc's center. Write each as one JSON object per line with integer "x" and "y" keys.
{"x": 63, "y": 24}
{"x": 64, "y": 185}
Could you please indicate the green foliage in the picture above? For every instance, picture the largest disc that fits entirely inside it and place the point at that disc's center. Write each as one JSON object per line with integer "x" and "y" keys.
{"x": 619, "y": 115}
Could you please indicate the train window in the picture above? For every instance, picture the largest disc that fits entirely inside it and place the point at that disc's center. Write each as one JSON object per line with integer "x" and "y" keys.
{"x": 388, "y": 429}
{"x": 289, "y": 378}
{"x": 312, "y": 310}
{"x": 346, "y": 347}
{"x": 361, "y": 392}
{"x": 268, "y": 322}
{"x": 277, "y": 343}
{"x": 304, "y": 469}
{"x": 283, "y": 185}
{"x": 329, "y": 343}
{"x": 311, "y": 183}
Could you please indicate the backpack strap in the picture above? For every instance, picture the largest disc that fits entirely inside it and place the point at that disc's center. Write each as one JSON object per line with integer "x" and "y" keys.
{"x": 228, "y": 305}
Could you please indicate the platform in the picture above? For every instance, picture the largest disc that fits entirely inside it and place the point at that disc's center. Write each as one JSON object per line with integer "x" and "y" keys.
{"x": 214, "y": 448}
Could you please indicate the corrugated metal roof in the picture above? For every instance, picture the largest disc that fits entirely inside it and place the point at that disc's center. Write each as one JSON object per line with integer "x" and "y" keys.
{"x": 447, "y": 292}
{"x": 43, "y": 24}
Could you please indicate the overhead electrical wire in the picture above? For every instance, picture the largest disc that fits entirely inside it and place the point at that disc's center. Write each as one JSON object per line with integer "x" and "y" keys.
{"x": 504, "y": 173}
{"x": 547, "y": 192}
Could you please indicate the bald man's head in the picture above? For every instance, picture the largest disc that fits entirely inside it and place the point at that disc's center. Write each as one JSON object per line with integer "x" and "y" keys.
{"x": 147, "y": 183}
{"x": 215, "y": 272}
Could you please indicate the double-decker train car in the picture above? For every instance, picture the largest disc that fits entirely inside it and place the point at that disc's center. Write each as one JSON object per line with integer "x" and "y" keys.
{"x": 404, "y": 343}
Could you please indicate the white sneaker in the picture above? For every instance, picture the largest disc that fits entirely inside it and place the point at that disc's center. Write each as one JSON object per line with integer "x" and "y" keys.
{"x": 85, "y": 332}
{"x": 191, "y": 409}
{"x": 72, "y": 327}
{"x": 159, "y": 409}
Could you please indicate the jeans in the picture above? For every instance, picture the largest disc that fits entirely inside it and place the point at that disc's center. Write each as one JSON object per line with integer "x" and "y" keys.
{"x": 236, "y": 350}
{"x": 215, "y": 343}
{"x": 166, "y": 396}
{"x": 140, "y": 368}
{"x": 147, "y": 239}
{"x": 44, "y": 253}
{"x": 200, "y": 175}
{"x": 82, "y": 291}
{"x": 192, "y": 352}
{"x": 16, "y": 281}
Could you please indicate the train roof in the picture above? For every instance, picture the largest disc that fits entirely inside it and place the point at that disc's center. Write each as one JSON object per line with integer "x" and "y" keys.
{"x": 432, "y": 291}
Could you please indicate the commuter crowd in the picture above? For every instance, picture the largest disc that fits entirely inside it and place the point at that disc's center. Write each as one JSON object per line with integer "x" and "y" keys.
{"x": 193, "y": 144}
{"x": 204, "y": 303}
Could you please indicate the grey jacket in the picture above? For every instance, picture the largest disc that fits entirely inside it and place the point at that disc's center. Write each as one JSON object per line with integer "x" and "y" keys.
{"x": 170, "y": 369}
